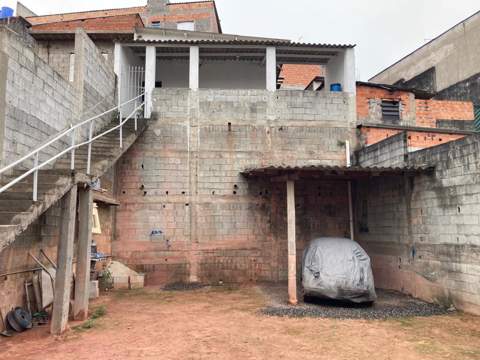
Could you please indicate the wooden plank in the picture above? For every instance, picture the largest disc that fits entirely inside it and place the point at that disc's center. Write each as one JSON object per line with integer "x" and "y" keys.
{"x": 292, "y": 248}
{"x": 63, "y": 279}
{"x": 82, "y": 280}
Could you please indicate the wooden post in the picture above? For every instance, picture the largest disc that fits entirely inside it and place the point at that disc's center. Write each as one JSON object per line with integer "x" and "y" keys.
{"x": 82, "y": 279}
{"x": 63, "y": 279}
{"x": 292, "y": 248}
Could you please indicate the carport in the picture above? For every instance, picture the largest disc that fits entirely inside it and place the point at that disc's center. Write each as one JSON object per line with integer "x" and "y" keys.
{"x": 349, "y": 175}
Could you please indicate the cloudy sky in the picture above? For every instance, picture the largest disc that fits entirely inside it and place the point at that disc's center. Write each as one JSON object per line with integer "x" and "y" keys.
{"x": 384, "y": 31}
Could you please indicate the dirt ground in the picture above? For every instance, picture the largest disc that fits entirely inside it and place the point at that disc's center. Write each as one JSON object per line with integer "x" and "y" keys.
{"x": 225, "y": 323}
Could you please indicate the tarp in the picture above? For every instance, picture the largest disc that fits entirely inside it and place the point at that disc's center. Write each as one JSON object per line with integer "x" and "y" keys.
{"x": 338, "y": 268}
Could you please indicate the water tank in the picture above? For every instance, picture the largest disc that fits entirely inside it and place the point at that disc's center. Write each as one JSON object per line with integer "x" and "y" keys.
{"x": 6, "y": 12}
{"x": 336, "y": 87}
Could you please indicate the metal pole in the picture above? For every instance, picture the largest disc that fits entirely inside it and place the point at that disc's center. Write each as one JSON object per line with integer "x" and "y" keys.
{"x": 35, "y": 178}
{"x": 72, "y": 155}
{"x": 89, "y": 157}
{"x": 350, "y": 211}
{"x": 121, "y": 131}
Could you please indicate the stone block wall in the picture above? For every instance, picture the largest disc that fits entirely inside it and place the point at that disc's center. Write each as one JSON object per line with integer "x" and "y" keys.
{"x": 38, "y": 101}
{"x": 423, "y": 232}
{"x": 95, "y": 80}
{"x": 43, "y": 234}
{"x": 390, "y": 152}
{"x": 187, "y": 214}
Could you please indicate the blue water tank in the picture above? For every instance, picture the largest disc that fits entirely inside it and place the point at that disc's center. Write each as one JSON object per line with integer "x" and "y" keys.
{"x": 336, "y": 87}
{"x": 6, "y": 12}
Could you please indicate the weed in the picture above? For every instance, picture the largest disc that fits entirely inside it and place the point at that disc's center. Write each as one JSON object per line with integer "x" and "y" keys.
{"x": 91, "y": 322}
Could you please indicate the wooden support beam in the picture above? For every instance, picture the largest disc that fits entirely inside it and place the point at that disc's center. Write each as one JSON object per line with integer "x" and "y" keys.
{"x": 63, "y": 279}
{"x": 82, "y": 279}
{"x": 292, "y": 246}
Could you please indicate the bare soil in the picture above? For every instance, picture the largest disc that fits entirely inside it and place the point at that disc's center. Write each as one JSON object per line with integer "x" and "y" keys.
{"x": 226, "y": 323}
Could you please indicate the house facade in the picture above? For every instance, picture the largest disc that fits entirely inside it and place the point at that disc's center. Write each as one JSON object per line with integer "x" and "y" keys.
{"x": 234, "y": 173}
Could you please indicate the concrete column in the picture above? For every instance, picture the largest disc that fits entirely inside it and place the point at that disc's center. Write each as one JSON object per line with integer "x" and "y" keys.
{"x": 271, "y": 63}
{"x": 63, "y": 279}
{"x": 82, "y": 280}
{"x": 292, "y": 246}
{"x": 150, "y": 77}
{"x": 194, "y": 67}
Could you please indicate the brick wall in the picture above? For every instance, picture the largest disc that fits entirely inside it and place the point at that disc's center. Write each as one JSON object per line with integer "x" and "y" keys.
{"x": 416, "y": 139}
{"x": 423, "y": 232}
{"x": 186, "y": 212}
{"x": 112, "y": 23}
{"x": 369, "y": 100}
{"x": 430, "y": 111}
{"x": 203, "y": 14}
{"x": 297, "y": 76}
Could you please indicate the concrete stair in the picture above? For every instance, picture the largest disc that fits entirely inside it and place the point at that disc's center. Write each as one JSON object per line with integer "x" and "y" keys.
{"x": 17, "y": 209}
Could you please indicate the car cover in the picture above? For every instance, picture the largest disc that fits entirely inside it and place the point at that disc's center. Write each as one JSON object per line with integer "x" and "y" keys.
{"x": 338, "y": 268}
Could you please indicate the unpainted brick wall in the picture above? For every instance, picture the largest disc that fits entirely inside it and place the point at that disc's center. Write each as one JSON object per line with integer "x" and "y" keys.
{"x": 414, "y": 112}
{"x": 187, "y": 214}
{"x": 201, "y": 13}
{"x": 430, "y": 111}
{"x": 416, "y": 139}
{"x": 369, "y": 100}
{"x": 298, "y": 76}
{"x": 423, "y": 231}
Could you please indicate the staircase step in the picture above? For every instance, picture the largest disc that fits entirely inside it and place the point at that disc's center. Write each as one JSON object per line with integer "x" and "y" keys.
{"x": 15, "y": 205}
{"x": 7, "y": 216}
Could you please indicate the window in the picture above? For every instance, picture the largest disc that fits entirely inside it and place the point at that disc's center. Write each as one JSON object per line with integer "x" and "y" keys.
{"x": 105, "y": 55}
{"x": 188, "y": 25}
{"x": 477, "y": 117}
{"x": 391, "y": 111}
{"x": 156, "y": 24}
{"x": 71, "y": 71}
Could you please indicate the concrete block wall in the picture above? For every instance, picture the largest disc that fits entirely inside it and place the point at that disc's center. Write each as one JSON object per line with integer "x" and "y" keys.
{"x": 43, "y": 234}
{"x": 57, "y": 55}
{"x": 187, "y": 214}
{"x": 95, "y": 80}
{"x": 390, "y": 152}
{"x": 423, "y": 232}
{"x": 38, "y": 101}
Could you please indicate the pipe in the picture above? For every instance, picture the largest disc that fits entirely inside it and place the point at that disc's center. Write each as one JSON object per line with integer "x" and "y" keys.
{"x": 350, "y": 200}
{"x": 20, "y": 272}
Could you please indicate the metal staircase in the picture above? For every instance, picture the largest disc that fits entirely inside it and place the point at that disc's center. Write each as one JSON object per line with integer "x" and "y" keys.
{"x": 27, "y": 191}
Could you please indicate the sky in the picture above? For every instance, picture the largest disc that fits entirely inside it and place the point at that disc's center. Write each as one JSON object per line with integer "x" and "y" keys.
{"x": 383, "y": 30}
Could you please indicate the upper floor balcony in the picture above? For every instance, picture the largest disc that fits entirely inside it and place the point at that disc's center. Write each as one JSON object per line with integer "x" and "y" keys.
{"x": 199, "y": 61}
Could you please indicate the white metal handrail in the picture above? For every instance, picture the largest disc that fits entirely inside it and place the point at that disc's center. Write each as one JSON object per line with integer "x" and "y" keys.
{"x": 72, "y": 131}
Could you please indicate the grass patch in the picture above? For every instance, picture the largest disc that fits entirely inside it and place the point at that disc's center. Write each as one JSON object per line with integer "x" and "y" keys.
{"x": 97, "y": 313}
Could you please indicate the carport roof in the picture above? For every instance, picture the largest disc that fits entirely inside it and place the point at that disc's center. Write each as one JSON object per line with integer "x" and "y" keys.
{"x": 316, "y": 171}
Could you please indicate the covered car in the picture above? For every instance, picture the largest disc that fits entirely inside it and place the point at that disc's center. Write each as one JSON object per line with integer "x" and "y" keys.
{"x": 338, "y": 268}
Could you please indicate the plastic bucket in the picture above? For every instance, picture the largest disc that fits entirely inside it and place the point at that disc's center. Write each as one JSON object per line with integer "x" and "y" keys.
{"x": 336, "y": 87}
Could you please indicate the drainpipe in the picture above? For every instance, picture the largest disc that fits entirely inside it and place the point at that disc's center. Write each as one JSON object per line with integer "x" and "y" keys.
{"x": 349, "y": 185}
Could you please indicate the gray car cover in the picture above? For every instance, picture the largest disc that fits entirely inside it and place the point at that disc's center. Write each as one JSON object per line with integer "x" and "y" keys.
{"x": 337, "y": 268}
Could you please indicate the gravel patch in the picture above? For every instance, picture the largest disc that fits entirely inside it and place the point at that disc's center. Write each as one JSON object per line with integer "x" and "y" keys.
{"x": 390, "y": 305}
